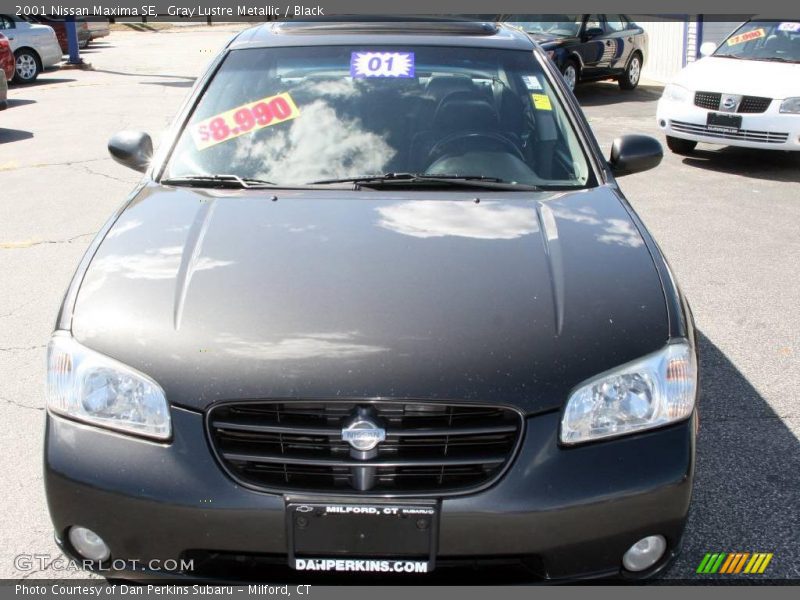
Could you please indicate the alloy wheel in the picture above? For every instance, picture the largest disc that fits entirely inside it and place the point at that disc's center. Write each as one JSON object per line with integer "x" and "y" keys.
{"x": 570, "y": 76}
{"x": 635, "y": 70}
{"x": 26, "y": 66}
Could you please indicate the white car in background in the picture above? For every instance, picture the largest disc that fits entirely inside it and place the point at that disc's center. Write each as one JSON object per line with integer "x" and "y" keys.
{"x": 35, "y": 47}
{"x": 745, "y": 93}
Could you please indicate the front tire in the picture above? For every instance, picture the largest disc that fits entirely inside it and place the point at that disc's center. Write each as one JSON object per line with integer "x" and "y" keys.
{"x": 26, "y": 66}
{"x": 570, "y": 74}
{"x": 680, "y": 146}
{"x": 630, "y": 78}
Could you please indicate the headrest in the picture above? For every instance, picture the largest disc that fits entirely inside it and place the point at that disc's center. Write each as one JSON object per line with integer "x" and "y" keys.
{"x": 441, "y": 86}
{"x": 464, "y": 111}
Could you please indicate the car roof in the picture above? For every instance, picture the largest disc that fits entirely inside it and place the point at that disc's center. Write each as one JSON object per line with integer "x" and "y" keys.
{"x": 770, "y": 17}
{"x": 365, "y": 31}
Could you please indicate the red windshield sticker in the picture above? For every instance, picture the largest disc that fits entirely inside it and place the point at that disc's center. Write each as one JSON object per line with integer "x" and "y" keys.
{"x": 244, "y": 119}
{"x": 746, "y": 37}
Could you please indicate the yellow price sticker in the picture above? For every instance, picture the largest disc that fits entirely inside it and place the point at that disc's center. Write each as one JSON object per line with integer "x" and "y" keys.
{"x": 244, "y": 119}
{"x": 541, "y": 102}
{"x": 746, "y": 37}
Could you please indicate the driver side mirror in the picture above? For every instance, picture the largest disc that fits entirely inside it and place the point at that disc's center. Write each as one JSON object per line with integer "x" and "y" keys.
{"x": 634, "y": 153}
{"x": 133, "y": 149}
{"x": 707, "y": 48}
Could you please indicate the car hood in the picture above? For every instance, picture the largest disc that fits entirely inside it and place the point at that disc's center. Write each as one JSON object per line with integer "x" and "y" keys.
{"x": 341, "y": 294}
{"x": 746, "y": 77}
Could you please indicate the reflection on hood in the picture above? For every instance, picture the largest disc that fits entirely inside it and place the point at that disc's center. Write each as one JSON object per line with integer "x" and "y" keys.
{"x": 159, "y": 263}
{"x": 613, "y": 231}
{"x": 621, "y": 232}
{"x": 156, "y": 264}
{"x": 319, "y": 145}
{"x": 305, "y": 346}
{"x": 484, "y": 221}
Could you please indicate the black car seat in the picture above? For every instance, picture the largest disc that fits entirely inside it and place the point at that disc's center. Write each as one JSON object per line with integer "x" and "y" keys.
{"x": 443, "y": 85}
{"x": 779, "y": 44}
{"x": 463, "y": 111}
{"x": 457, "y": 111}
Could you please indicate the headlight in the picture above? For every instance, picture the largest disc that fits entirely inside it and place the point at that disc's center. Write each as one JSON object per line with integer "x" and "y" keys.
{"x": 650, "y": 392}
{"x": 677, "y": 93}
{"x": 87, "y": 386}
{"x": 791, "y": 106}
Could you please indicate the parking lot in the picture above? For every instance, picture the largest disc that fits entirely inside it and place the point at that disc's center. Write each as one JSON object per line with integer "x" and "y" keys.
{"x": 728, "y": 220}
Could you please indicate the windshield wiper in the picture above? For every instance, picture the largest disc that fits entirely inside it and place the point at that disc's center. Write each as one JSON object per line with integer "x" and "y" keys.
{"x": 474, "y": 181}
{"x": 221, "y": 180}
{"x": 404, "y": 177}
{"x": 776, "y": 59}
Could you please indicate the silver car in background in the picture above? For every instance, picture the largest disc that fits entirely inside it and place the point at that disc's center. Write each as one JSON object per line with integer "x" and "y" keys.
{"x": 35, "y": 47}
{"x": 98, "y": 28}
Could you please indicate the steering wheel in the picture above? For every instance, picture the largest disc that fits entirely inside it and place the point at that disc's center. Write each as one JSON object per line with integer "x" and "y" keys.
{"x": 478, "y": 140}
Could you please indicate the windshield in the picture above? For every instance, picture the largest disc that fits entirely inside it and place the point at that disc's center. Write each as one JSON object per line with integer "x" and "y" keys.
{"x": 295, "y": 116}
{"x": 557, "y": 25}
{"x": 764, "y": 40}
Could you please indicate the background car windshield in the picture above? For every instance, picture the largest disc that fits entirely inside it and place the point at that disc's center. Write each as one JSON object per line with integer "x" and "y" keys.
{"x": 764, "y": 40}
{"x": 298, "y": 115}
{"x": 558, "y": 25}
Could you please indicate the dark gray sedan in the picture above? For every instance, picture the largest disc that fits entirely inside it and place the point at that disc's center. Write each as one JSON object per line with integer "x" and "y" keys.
{"x": 589, "y": 47}
{"x": 378, "y": 307}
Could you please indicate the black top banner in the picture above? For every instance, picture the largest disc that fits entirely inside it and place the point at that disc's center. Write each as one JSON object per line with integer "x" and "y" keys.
{"x": 238, "y": 10}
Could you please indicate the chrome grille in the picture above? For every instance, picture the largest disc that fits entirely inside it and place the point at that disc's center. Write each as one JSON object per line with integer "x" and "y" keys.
{"x": 430, "y": 448}
{"x": 749, "y": 104}
{"x": 767, "y": 137}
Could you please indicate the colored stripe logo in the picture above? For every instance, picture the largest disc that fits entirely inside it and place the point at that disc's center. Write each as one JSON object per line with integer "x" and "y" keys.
{"x": 732, "y": 563}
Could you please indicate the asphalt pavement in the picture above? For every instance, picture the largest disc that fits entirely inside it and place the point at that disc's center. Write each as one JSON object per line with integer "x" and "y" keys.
{"x": 727, "y": 219}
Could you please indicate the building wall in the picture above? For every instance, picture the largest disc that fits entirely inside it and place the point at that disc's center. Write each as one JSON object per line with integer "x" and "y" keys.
{"x": 716, "y": 31}
{"x": 676, "y": 41}
{"x": 694, "y": 30}
{"x": 667, "y": 40}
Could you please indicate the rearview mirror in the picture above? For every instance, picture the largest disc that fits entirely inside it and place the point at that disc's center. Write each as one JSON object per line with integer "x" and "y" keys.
{"x": 707, "y": 48}
{"x": 635, "y": 153}
{"x": 134, "y": 149}
{"x": 593, "y": 32}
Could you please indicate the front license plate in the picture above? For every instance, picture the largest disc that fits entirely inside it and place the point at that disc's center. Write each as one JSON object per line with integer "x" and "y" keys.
{"x": 723, "y": 123}
{"x": 363, "y": 538}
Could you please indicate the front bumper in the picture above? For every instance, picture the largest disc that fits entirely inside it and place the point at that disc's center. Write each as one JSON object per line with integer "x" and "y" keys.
{"x": 768, "y": 130}
{"x": 567, "y": 513}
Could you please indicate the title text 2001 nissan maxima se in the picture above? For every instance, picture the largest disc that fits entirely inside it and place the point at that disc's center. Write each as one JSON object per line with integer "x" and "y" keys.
{"x": 378, "y": 305}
